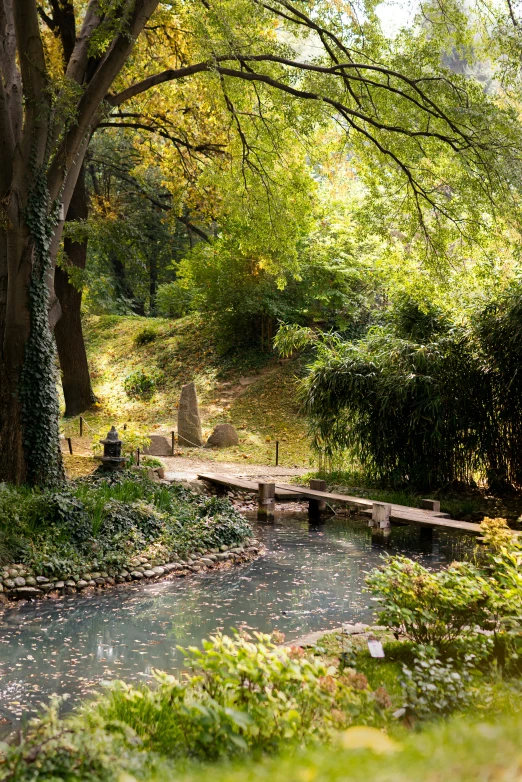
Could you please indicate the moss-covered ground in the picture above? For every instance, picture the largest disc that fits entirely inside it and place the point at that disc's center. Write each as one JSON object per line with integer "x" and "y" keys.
{"x": 254, "y": 391}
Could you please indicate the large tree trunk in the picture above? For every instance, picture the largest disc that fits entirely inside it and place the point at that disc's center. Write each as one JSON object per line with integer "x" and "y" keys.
{"x": 76, "y": 380}
{"x": 12, "y": 464}
{"x": 28, "y": 405}
{"x": 41, "y": 150}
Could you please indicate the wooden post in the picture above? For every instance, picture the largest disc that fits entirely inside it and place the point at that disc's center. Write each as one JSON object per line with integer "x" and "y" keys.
{"x": 70, "y": 445}
{"x": 426, "y": 535}
{"x": 173, "y": 435}
{"x": 316, "y": 507}
{"x": 380, "y": 523}
{"x": 277, "y": 453}
{"x": 430, "y": 505}
{"x": 138, "y": 457}
{"x": 266, "y": 501}
{"x": 81, "y": 426}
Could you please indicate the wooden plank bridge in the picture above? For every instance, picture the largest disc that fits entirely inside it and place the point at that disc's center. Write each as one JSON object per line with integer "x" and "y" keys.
{"x": 380, "y": 513}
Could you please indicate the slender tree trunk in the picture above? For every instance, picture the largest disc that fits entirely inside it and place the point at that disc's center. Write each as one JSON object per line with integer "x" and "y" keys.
{"x": 122, "y": 285}
{"x": 153, "y": 282}
{"x": 76, "y": 381}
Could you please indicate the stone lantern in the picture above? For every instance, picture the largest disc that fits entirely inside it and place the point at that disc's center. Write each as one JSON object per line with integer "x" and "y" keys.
{"x": 112, "y": 458}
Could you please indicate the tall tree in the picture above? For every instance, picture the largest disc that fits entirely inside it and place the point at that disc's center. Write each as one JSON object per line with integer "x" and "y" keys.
{"x": 76, "y": 381}
{"x": 404, "y": 110}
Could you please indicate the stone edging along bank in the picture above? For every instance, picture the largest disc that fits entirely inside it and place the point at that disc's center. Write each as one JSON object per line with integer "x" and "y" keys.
{"x": 18, "y": 582}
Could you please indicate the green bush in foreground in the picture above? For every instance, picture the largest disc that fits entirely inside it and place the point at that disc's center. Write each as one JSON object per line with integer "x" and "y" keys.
{"x": 241, "y": 697}
{"x": 238, "y": 698}
{"x": 429, "y": 607}
{"x": 460, "y": 750}
{"x": 459, "y": 602}
{"x": 435, "y": 688}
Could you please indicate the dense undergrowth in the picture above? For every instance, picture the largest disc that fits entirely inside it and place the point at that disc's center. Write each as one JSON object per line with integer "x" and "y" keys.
{"x": 426, "y": 398}
{"x": 101, "y": 521}
{"x": 449, "y": 689}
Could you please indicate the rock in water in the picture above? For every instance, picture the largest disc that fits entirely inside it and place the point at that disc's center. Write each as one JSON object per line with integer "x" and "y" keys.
{"x": 189, "y": 422}
{"x": 223, "y": 436}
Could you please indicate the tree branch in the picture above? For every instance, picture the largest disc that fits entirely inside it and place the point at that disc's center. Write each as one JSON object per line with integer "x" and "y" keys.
{"x": 207, "y": 147}
{"x": 95, "y": 92}
{"x": 423, "y": 101}
{"x": 34, "y": 80}
{"x": 125, "y": 177}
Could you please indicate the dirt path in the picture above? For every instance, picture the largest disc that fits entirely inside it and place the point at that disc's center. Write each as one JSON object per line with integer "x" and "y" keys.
{"x": 185, "y": 468}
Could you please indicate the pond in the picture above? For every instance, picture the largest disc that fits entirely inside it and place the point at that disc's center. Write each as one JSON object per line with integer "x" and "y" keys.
{"x": 311, "y": 578}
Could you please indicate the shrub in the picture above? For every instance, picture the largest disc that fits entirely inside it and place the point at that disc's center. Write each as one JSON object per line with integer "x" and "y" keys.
{"x": 423, "y": 399}
{"x": 79, "y": 749}
{"x": 140, "y": 384}
{"x": 239, "y": 697}
{"x": 501, "y": 560}
{"x": 432, "y": 688}
{"x": 173, "y": 300}
{"x": 151, "y": 461}
{"x": 431, "y": 608}
{"x": 145, "y": 336}
{"x": 101, "y": 521}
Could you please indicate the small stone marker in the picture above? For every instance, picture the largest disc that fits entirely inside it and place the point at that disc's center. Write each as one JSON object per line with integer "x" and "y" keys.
{"x": 223, "y": 436}
{"x": 375, "y": 649}
{"x": 189, "y": 422}
{"x": 159, "y": 446}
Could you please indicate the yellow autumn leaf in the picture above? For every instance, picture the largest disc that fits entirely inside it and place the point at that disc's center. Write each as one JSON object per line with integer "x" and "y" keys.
{"x": 362, "y": 737}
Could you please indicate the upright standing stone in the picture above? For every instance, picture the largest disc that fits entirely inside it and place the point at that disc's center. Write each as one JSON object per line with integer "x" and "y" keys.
{"x": 189, "y": 422}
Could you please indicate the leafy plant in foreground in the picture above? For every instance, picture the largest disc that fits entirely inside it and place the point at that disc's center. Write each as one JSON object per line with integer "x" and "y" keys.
{"x": 432, "y": 688}
{"x": 432, "y": 608}
{"x": 240, "y": 696}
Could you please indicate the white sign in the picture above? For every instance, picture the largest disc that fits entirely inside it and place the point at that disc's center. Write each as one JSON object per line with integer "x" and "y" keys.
{"x": 375, "y": 648}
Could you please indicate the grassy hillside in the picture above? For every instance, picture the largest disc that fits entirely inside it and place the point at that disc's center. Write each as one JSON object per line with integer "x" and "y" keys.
{"x": 254, "y": 391}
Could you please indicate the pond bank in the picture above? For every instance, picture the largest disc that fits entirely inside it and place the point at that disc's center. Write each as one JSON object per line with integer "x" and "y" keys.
{"x": 18, "y": 582}
{"x": 310, "y": 578}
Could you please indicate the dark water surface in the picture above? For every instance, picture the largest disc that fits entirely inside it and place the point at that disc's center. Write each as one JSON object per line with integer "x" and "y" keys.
{"x": 311, "y": 578}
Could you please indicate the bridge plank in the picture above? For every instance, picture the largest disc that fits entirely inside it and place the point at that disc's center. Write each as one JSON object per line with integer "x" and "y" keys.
{"x": 426, "y": 518}
{"x": 241, "y": 483}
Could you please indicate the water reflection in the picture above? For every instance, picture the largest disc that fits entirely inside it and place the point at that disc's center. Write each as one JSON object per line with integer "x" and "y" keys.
{"x": 311, "y": 578}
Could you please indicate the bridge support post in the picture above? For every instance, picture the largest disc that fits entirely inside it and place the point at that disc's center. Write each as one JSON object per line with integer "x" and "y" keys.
{"x": 430, "y": 505}
{"x": 426, "y": 535}
{"x": 266, "y": 501}
{"x": 380, "y": 522}
{"x": 316, "y": 507}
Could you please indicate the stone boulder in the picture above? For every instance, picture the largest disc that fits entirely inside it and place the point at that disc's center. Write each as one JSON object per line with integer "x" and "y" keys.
{"x": 159, "y": 446}
{"x": 223, "y": 436}
{"x": 189, "y": 422}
